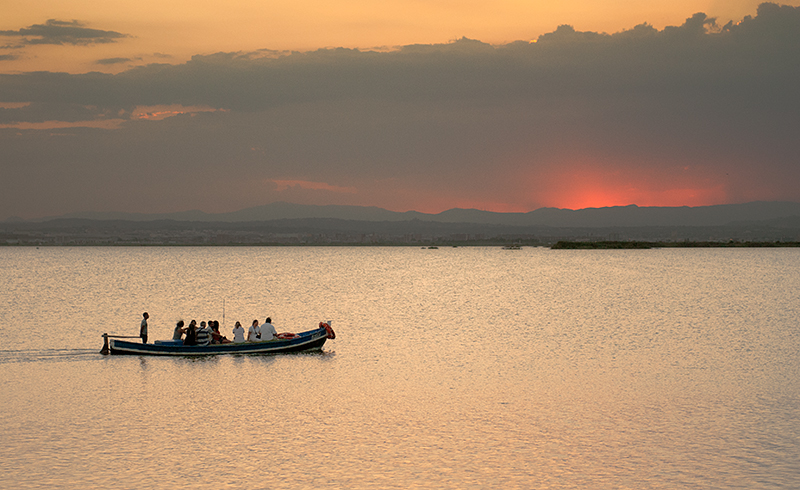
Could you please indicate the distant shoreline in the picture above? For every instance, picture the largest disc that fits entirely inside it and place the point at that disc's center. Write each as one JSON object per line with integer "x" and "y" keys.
{"x": 560, "y": 245}
{"x": 757, "y": 224}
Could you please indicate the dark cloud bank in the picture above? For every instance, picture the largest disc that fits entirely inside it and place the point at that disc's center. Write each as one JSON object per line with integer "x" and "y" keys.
{"x": 716, "y": 104}
{"x": 63, "y": 32}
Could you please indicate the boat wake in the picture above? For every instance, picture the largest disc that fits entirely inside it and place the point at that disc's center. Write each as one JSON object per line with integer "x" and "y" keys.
{"x": 47, "y": 355}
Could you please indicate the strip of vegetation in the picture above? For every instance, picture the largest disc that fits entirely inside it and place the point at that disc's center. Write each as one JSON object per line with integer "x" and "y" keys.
{"x": 619, "y": 245}
{"x": 604, "y": 245}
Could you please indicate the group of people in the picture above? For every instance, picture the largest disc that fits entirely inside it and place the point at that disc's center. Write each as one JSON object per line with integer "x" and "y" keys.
{"x": 204, "y": 334}
{"x": 256, "y": 332}
{"x": 208, "y": 333}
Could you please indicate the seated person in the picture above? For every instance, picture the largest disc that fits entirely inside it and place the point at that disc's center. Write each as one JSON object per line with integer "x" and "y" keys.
{"x": 191, "y": 334}
{"x": 216, "y": 337}
{"x": 177, "y": 334}
{"x": 203, "y": 334}
{"x": 238, "y": 333}
{"x": 254, "y": 333}
{"x": 268, "y": 330}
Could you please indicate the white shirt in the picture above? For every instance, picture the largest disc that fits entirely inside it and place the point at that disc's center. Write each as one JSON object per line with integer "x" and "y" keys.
{"x": 238, "y": 334}
{"x": 252, "y": 332}
{"x": 268, "y": 331}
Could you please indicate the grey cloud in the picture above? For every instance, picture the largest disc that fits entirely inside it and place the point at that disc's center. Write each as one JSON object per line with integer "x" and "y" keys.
{"x": 759, "y": 54}
{"x": 38, "y": 112}
{"x": 63, "y": 32}
{"x": 116, "y": 61}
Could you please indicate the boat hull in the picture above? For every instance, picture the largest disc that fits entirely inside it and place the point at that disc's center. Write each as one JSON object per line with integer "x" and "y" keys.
{"x": 306, "y": 341}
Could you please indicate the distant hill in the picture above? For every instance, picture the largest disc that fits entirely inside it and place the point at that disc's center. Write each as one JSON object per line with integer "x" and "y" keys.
{"x": 268, "y": 212}
{"x": 616, "y": 216}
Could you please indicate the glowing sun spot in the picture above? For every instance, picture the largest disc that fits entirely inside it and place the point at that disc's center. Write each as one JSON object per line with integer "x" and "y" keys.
{"x": 580, "y": 186}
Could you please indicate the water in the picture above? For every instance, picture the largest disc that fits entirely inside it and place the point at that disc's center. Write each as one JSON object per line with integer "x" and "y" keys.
{"x": 452, "y": 368}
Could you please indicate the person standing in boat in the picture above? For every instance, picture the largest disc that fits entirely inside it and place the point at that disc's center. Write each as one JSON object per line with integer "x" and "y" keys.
{"x": 143, "y": 327}
{"x": 267, "y": 330}
{"x": 254, "y": 332}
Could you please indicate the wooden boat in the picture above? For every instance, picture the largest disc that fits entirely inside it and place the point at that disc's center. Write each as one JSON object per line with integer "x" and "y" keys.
{"x": 305, "y": 341}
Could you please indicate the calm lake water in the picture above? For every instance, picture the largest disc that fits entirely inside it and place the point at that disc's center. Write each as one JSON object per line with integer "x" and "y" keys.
{"x": 453, "y": 368}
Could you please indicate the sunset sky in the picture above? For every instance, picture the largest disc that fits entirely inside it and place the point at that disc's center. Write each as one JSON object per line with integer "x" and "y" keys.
{"x": 507, "y": 105}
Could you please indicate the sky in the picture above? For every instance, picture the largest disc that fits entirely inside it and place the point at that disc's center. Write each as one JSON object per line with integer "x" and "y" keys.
{"x": 507, "y": 106}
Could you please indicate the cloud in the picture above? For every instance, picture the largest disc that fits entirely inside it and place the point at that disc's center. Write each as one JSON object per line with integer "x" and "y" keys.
{"x": 157, "y": 113}
{"x": 48, "y": 125}
{"x": 697, "y": 111}
{"x": 116, "y": 61}
{"x": 659, "y": 63}
{"x": 282, "y": 185}
{"x": 64, "y": 32}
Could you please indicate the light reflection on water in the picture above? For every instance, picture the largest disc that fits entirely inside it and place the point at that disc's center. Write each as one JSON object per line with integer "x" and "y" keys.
{"x": 453, "y": 368}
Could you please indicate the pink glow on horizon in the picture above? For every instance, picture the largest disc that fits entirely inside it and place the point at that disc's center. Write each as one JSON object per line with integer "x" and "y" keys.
{"x": 580, "y": 186}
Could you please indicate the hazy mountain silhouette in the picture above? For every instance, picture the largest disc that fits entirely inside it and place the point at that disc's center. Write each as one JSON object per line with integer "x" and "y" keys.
{"x": 616, "y": 216}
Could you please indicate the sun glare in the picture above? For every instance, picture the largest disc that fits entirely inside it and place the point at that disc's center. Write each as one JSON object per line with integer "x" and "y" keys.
{"x": 580, "y": 186}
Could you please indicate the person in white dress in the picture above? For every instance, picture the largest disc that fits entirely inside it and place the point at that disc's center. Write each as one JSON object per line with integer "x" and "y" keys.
{"x": 238, "y": 333}
{"x": 254, "y": 332}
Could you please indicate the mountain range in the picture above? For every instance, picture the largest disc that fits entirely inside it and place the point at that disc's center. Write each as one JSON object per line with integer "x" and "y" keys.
{"x": 606, "y": 217}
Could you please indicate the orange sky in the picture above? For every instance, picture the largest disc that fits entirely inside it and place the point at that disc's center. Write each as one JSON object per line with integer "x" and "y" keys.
{"x": 173, "y": 31}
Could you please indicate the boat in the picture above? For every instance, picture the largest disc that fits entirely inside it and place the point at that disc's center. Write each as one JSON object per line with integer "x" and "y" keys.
{"x": 305, "y": 341}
